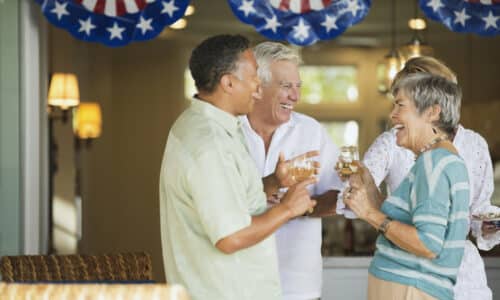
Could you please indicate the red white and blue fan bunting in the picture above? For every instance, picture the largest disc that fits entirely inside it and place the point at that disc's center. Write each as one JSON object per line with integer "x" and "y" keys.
{"x": 300, "y": 22}
{"x": 476, "y": 16}
{"x": 113, "y": 22}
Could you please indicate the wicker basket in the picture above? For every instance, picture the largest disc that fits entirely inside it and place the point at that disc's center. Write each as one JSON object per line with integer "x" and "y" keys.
{"x": 118, "y": 267}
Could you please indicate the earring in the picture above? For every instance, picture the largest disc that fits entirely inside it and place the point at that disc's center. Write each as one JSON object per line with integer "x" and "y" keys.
{"x": 434, "y": 130}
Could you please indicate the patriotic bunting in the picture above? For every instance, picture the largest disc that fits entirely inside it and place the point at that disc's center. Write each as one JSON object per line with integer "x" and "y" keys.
{"x": 300, "y": 22}
{"x": 113, "y": 22}
{"x": 475, "y": 16}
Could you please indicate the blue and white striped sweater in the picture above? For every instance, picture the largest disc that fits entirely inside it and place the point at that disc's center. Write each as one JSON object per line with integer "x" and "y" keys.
{"x": 434, "y": 197}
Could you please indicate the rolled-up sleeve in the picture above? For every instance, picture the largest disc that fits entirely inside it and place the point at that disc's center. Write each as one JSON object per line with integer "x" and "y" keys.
{"x": 218, "y": 194}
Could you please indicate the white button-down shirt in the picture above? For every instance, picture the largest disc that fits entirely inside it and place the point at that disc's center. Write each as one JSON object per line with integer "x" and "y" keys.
{"x": 298, "y": 241}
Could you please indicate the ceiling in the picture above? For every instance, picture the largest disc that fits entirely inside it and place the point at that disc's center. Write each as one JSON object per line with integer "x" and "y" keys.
{"x": 215, "y": 17}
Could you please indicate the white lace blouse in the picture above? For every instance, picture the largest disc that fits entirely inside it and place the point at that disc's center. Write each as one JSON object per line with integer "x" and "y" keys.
{"x": 390, "y": 163}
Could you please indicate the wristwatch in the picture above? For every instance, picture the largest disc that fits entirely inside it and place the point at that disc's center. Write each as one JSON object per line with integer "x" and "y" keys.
{"x": 385, "y": 225}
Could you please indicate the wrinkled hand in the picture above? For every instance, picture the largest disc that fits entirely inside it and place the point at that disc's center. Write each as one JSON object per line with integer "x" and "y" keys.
{"x": 365, "y": 178}
{"x": 297, "y": 198}
{"x": 285, "y": 179}
{"x": 357, "y": 198}
{"x": 488, "y": 228}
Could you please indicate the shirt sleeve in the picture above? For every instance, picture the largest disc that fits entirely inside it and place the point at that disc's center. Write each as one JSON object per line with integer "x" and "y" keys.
{"x": 218, "y": 193}
{"x": 430, "y": 205}
{"x": 378, "y": 157}
{"x": 328, "y": 178}
{"x": 482, "y": 177}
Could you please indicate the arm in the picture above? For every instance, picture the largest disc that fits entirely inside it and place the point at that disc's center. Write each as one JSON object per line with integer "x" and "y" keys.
{"x": 295, "y": 203}
{"x": 424, "y": 236}
{"x": 404, "y": 236}
{"x": 483, "y": 185}
{"x": 229, "y": 202}
{"x": 378, "y": 157}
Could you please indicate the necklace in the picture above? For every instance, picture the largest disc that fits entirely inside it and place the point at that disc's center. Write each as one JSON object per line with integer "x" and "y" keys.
{"x": 434, "y": 141}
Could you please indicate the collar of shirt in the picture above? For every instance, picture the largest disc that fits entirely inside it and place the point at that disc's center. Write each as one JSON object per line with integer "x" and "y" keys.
{"x": 291, "y": 123}
{"x": 229, "y": 122}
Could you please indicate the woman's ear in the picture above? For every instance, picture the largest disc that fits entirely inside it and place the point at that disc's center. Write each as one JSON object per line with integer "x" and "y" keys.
{"x": 433, "y": 113}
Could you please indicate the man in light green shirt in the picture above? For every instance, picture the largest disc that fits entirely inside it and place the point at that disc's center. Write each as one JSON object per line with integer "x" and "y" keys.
{"x": 216, "y": 229}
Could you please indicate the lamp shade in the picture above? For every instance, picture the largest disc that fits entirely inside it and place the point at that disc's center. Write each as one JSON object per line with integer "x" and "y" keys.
{"x": 87, "y": 121}
{"x": 63, "y": 90}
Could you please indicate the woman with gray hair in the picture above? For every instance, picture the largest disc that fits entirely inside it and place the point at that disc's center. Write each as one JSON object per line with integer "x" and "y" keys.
{"x": 423, "y": 224}
{"x": 389, "y": 163}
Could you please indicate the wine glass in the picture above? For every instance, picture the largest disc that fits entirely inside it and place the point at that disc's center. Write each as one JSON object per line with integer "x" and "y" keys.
{"x": 302, "y": 169}
{"x": 346, "y": 167}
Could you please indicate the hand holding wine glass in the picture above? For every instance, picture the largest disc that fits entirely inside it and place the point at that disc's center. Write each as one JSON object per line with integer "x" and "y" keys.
{"x": 346, "y": 166}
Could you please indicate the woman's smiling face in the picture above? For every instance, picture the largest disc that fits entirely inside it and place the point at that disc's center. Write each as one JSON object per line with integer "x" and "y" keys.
{"x": 411, "y": 126}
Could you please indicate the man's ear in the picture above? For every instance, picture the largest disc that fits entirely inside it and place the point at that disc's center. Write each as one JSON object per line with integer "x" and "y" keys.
{"x": 226, "y": 83}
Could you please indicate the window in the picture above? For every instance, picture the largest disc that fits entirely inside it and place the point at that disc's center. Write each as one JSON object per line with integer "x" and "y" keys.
{"x": 329, "y": 84}
{"x": 343, "y": 133}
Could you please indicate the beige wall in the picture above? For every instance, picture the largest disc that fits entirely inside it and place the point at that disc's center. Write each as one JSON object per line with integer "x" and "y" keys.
{"x": 140, "y": 99}
{"x": 140, "y": 88}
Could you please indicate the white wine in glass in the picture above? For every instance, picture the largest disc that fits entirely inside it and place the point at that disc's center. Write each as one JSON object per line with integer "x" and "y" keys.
{"x": 302, "y": 169}
{"x": 348, "y": 155}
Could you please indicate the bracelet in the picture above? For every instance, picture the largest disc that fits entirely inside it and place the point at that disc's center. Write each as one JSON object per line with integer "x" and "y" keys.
{"x": 385, "y": 225}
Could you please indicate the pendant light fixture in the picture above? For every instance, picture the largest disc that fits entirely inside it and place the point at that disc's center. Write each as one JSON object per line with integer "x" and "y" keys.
{"x": 392, "y": 64}
{"x": 417, "y": 46}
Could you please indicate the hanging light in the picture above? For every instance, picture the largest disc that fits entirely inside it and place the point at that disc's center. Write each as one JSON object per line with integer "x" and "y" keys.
{"x": 190, "y": 10}
{"x": 179, "y": 24}
{"x": 417, "y": 46}
{"x": 392, "y": 63}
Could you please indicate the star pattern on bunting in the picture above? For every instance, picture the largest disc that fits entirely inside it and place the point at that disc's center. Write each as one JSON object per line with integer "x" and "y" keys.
{"x": 461, "y": 17}
{"x": 300, "y": 22}
{"x": 480, "y": 17}
{"x": 115, "y": 31}
{"x": 86, "y": 26}
{"x": 272, "y": 24}
{"x": 111, "y": 22}
{"x": 490, "y": 21}
{"x": 169, "y": 8}
{"x": 60, "y": 10}
{"x": 329, "y": 23}
{"x": 144, "y": 25}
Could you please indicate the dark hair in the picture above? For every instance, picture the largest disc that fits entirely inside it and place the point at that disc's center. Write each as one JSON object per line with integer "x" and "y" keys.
{"x": 215, "y": 57}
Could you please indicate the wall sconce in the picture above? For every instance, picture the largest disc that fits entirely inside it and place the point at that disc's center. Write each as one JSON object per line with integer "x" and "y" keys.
{"x": 87, "y": 121}
{"x": 63, "y": 93}
{"x": 87, "y": 125}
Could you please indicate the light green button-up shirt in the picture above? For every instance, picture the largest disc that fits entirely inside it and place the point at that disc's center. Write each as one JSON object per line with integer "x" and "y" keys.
{"x": 209, "y": 189}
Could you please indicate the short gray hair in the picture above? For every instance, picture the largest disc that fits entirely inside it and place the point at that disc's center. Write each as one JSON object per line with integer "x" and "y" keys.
{"x": 268, "y": 52}
{"x": 427, "y": 90}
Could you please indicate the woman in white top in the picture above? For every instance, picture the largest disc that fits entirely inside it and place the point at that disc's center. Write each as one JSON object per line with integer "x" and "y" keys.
{"x": 391, "y": 163}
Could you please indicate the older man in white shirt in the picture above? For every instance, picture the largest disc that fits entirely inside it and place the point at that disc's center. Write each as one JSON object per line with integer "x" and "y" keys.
{"x": 273, "y": 128}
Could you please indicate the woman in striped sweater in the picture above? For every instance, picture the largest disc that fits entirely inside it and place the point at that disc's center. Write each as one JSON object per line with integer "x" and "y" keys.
{"x": 424, "y": 222}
